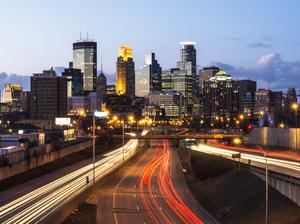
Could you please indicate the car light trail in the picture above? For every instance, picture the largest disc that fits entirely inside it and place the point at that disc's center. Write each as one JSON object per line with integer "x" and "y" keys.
{"x": 281, "y": 163}
{"x": 156, "y": 212}
{"x": 38, "y": 204}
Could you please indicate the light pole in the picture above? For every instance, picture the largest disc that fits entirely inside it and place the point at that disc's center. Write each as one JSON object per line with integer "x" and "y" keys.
{"x": 94, "y": 145}
{"x": 123, "y": 138}
{"x": 295, "y": 107}
{"x": 100, "y": 114}
{"x": 267, "y": 184}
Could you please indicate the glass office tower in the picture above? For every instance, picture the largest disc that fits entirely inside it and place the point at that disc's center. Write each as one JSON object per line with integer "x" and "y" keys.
{"x": 85, "y": 59}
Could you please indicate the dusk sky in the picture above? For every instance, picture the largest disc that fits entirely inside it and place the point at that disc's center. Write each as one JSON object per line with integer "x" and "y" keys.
{"x": 251, "y": 39}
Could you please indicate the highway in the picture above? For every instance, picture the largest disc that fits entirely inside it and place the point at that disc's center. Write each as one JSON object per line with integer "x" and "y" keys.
{"x": 282, "y": 166}
{"x": 36, "y": 205}
{"x": 152, "y": 190}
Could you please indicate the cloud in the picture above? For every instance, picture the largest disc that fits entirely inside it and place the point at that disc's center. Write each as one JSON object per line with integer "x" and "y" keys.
{"x": 271, "y": 71}
{"x": 259, "y": 44}
{"x": 14, "y": 78}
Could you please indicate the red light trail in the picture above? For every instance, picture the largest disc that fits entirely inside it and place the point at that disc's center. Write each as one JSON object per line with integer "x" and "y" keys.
{"x": 161, "y": 163}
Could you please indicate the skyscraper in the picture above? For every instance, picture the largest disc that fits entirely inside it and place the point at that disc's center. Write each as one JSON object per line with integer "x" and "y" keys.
{"x": 178, "y": 81}
{"x": 125, "y": 80}
{"x": 75, "y": 80}
{"x": 188, "y": 63}
{"x": 205, "y": 74}
{"x": 85, "y": 59}
{"x": 48, "y": 95}
{"x": 221, "y": 96}
{"x": 101, "y": 87}
{"x": 247, "y": 97}
{"x": 148, "y": 76}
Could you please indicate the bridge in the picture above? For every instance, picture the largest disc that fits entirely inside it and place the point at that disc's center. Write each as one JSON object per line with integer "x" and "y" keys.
{"x": 181, "y": 136}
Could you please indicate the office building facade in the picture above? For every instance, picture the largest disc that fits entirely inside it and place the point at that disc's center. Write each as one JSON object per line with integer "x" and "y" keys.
{"x": 125, "y": 80}
{"x": 148, "y": 76}
{"x": 85, "y": 59}
{"x": 247, "y": 97}
{"x": 221, "y": 96}
{"x": 75, "y": 81}
{"x": 205, "y": 74}
{"x": 48, "y": 96}
{"x": 177, "y": 80}
{"x": 188, "y": 63}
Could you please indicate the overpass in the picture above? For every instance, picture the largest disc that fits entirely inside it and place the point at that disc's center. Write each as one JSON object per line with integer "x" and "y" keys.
{"x": 181, "y": 136}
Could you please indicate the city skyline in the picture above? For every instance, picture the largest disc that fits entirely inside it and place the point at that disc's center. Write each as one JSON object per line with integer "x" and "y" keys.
{"x": 219, "y": 41}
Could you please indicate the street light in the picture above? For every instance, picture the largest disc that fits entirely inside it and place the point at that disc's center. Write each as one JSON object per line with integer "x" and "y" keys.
{"x": 295, "y": 108}
{"x": 267, "y": 183}
{"x": 101, "y": 115}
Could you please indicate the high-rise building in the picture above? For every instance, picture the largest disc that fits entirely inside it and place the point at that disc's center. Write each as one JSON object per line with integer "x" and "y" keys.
{"x": 188, "y": 63}
{"x": 247, "y": 97}
{"x": 205, "y": 74}
{"x": 148, "y": 76}
{"x": 111, "y": 90}
{"x": 75, "y": 81}
{"x": 221, "y": 96}
{"x": 291, "y": 97}
{"x": 101, "y": 86}
{"x": 177, "y": 80}
{"x": 170, "y": 103}
{"x": 262, "y": 102}
{"x": 12, "y": 93}
{"x": 48, "y": 95}
{"x": 85, "y": 59}
{"x": 125, "y": 80}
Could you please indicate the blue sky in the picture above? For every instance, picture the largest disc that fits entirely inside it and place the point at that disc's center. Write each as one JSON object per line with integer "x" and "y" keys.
{"x": 238, "y": 35}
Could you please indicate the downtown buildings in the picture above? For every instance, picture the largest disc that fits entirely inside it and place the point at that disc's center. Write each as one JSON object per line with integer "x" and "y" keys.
{"x": 48, "y": 96}
{"x": 148, "y": 76}
{"x": 125, "y": 78}
{"x": 85, "y": 59}
{"x": 221, "y": 97}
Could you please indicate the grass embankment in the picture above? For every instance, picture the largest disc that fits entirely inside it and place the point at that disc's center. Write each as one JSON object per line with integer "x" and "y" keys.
{"x": 235, "y": 197}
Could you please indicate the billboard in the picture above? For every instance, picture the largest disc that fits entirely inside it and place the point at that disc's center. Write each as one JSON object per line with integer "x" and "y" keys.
{"x": 102, "y": 114}
{"x": 62, "y": 121}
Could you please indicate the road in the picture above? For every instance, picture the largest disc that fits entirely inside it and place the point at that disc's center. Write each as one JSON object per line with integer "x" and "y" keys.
{"x": 40, "y": 203}
{"x": 152, "y": 190}
{"x": 282, "y": 166}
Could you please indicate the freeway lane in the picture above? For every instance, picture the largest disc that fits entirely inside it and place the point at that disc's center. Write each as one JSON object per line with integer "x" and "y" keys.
{"x": 36, "y": 205}
{"x": 282, "y": 166}
{"x": 152, "y": 190}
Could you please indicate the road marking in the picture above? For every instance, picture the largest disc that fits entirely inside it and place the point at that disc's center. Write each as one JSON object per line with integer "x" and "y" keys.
{"x": 114, "y": 199}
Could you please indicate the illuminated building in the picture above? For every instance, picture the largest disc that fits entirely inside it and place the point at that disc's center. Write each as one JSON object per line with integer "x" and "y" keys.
{"x": 205, "y": 74}
{"x": 12, "y": 93}
{"x": 221, "y": 96}
{"x": 188, "y": 63}
{"x": 101, "y": 86}
{"x": 125, "y": 80}
{"x": 262, "y": 101}
{"x": 48, "y": 95}
{"x": 177, "y": 80}
{"x": 148, "y": 76}
{"x": 111, "y": 90}
{"x": 85, "y": 59}
{"x": 170, "y": 104}
{"x": 75, "y": 80}
{"x": 247, "y": 97}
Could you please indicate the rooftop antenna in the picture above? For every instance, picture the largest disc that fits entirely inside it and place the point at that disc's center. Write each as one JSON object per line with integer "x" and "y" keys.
{"x": 80, "y": 35}
{"x": 87, "y": 35}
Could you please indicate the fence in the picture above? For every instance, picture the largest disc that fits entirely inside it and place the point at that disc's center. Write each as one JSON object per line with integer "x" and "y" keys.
{"x": 289, "y": 137}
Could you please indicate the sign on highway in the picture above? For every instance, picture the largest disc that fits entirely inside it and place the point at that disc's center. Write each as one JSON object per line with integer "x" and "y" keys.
{"x": 218, "y": 136}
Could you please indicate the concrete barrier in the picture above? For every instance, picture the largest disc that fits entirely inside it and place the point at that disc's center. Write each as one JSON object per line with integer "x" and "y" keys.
{"x": 289, "y": 137}
{"x": 17, "y": 168}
